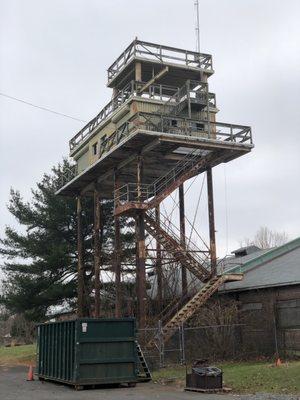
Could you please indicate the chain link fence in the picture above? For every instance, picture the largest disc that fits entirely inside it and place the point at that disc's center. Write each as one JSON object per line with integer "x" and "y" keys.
{"x": 215, "y": 343}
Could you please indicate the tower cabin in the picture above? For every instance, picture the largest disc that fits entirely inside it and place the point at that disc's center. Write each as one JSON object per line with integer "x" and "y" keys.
{"x": 162, "y": 113}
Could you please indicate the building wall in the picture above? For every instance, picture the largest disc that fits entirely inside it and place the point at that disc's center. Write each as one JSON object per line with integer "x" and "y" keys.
{"x": 85, "y": 156}
{"x": 270, "y": 316}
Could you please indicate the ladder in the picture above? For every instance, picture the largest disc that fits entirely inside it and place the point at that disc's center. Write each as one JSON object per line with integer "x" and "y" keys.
{"x": 192, "y": 306}
{"x": 146, "y": 374}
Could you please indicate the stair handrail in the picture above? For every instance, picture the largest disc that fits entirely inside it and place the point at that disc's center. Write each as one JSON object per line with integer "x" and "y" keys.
{"x": 170, "y": 232}
{"x": 157, "y": 186}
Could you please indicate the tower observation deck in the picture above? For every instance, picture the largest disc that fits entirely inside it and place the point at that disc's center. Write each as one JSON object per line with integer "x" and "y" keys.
{"x": 158, "y": 130}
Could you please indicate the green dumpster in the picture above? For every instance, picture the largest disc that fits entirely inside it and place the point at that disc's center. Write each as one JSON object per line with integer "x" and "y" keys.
{"x": 88, "y": 351}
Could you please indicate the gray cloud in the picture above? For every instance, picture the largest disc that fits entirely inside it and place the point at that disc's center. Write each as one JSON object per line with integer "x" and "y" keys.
{"x": 55, "y": 53}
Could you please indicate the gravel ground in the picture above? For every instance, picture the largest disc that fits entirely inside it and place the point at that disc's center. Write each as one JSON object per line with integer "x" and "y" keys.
{"x": 13, "y": 386}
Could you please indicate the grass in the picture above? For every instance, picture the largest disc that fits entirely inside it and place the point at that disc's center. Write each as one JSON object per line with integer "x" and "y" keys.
{"x": 248, "y": 377}
{"x": 243, "y": 377}
{"x": 18, "y": 355}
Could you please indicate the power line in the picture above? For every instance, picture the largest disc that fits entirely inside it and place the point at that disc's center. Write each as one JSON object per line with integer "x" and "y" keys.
{"x": 41, "y": 108}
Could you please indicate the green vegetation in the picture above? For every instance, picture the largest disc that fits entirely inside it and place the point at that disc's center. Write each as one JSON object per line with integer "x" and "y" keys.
{"x": 40, "y": 255}
{"x": 247, "y": 377}
{"x": 18, "y": 355}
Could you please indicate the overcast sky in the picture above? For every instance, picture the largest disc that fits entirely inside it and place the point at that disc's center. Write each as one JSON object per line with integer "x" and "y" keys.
{"x": 55, "y": 54}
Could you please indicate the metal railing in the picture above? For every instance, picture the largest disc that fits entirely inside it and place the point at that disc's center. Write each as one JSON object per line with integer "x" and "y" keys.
{"x": 190, "y": 247}
{"x": 133, "y": 192}
{"x": 216, "y": 131}
{"x": 133, "y": 88}
{"x": 192, "y": 92}
{"x": 67, "y": 175}
{"x": 195, "y": 127}
{"x": 159, "y": 53}
{"x": 145, "y": 192}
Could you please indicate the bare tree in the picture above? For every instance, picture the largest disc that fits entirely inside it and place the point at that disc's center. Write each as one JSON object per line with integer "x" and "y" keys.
{"x": 265, "y": 238}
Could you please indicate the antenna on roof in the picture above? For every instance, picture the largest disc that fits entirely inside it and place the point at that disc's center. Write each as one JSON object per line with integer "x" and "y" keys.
{"x": 197, "y": 26}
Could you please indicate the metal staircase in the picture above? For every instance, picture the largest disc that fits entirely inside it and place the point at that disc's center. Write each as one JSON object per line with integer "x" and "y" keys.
{"x": 192, "y": 306}
{"x": 171, "y": 243}
{"x": 147, "y": 196}
{"x": 146, "y": 374}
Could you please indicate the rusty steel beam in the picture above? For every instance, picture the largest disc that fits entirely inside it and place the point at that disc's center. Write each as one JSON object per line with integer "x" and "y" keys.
{"x": 141, "y": 270}
{"x": 211, "y": 219}
{"x": 182, "y": 238}
{"x": 141, "y": 251}
{"x": 80, "y": 265}
{"x": 117, "y": 254}
{"x": 97, "y": 251}
{"x": 159, "y": 264}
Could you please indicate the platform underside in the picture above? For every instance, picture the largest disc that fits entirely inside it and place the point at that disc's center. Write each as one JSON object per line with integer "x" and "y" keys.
{"x": 160, "y": 151}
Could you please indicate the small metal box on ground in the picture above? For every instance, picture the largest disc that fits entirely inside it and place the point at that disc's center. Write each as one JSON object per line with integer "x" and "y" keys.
{"x": 204, "y": 381}
{"x": 204, "y": 378}
{"x": 88, "y": 351}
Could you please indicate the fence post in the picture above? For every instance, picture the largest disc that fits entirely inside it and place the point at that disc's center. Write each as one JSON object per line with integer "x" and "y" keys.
{"x": 183, "y": 360}
{"x": 161, "y": 346}
{"x": 181, "y": 343}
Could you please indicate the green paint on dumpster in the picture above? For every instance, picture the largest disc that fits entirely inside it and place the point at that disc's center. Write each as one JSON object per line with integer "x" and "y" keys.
{"x": 88, "y": 351}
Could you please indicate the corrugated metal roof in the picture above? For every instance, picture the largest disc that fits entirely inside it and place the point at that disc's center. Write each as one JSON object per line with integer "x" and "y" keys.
{"x": 276, "y": 267}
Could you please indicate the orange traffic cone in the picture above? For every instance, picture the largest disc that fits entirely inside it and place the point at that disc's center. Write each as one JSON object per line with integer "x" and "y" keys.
{"x": 30, "y": 374}
{"x": 278, "y": 362}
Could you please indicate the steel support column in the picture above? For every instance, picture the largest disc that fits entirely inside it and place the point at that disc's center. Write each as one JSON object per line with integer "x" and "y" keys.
{"x": 80, "y": 266}
{"x": 211, "y": 219}
{"x": 97, "y": 251}
{"x": 159, "y": 264}
{"x": 182, "y": 237}
{"x": 140, "y": 269}
{"x": 140, "y": 253}
{"x": 117, "y": 255}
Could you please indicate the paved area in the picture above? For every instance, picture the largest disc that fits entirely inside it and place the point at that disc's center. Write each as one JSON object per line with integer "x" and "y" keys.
{"x": 13, "y": 386}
